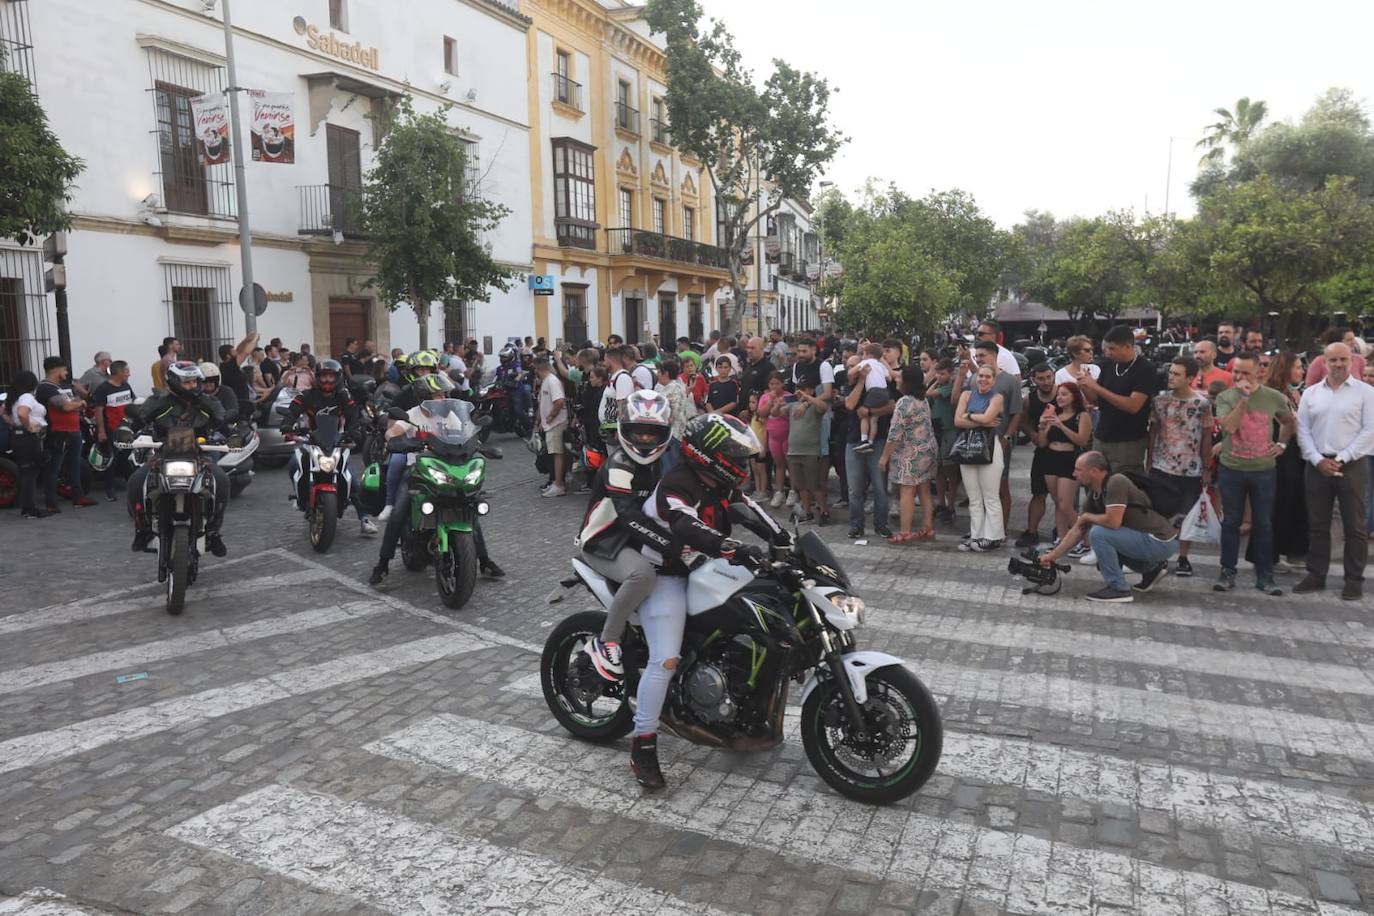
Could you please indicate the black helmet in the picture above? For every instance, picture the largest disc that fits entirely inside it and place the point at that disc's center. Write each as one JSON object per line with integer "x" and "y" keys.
{"x": 329, "y": 365}
{"x": 184, "y": 379}
{"x": 721, "y": 447}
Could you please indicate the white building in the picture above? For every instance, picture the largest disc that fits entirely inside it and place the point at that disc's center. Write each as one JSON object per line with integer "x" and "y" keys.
{"x": 154, "y": 251}
{"x": 784, "y": 263}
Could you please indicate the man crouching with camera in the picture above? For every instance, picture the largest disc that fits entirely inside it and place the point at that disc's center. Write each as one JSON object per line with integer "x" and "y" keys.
{"x": 1120, "y": 527}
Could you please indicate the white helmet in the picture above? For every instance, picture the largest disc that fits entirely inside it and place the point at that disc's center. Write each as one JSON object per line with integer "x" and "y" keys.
{"x": 645, "y": 427}
{"x": 209, "y": 372}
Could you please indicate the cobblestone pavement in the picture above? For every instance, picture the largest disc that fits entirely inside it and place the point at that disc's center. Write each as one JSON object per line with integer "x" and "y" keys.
{"x": 297, "y": 742}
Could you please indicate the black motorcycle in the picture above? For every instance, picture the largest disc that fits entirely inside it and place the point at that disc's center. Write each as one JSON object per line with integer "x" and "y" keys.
{"x": 179, "y": 494}
{"x": 869, "y": 726}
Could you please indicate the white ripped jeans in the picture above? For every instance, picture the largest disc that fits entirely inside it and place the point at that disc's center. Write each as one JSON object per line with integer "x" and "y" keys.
{"x": 662, "y": 616}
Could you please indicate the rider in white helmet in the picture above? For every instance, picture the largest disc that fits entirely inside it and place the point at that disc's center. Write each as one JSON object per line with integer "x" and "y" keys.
{"x": 616, "y": 527}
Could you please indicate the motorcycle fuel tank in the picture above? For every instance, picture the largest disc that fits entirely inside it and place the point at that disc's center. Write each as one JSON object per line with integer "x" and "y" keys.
{"x": 711, "y": 584}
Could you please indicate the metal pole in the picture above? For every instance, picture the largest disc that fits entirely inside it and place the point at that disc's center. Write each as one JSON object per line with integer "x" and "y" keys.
{"x": 1168, "y": 176}
{"x": 250, "y": 320}
{"x": 759, "y": 249}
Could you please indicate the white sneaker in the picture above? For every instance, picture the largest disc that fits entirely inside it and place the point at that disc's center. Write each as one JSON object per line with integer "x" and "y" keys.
{"x": 555, "y": 491}
{"x": 384, "y": 514}
{"x": 778, "y": 499}
{"x": 369, "y": 527}
{"x": 1088, "y": 559}
{"x": 792, "y": 498}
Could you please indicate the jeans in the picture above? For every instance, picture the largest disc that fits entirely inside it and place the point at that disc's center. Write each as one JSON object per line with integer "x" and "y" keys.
{"x": 1369, "y": 495}
{"x": 395, "y": 477}
{"x": 1351, "y": 491}
{"x": 636, "y": 576}
{"x": 863, "y": 472}
{"x": 1260, "y": 487}
{"x": 64, "y": 456}
{"x": 983, "y": 483}
{"x": 1135, "y": 549}
{"x": 28, "y": 454}
{"x": 663, "y": 616}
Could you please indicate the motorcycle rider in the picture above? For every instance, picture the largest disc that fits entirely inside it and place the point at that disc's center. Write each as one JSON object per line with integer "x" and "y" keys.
{"x": 615, "y": 527}
{"x": 419, "y": 420}
{"x": 210, "y": 384}
{"x": 512, "y": 376}
{"x": 420, "y": 364}
{"x": 692, "y": 501}
{"x": 329, "y": 398}
{"x": 181, "y": 405}
{"x": 426, "y": 385}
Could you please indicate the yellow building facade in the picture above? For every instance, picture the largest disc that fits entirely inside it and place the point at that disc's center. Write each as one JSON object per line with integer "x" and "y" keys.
{"x": 624, "y": 225}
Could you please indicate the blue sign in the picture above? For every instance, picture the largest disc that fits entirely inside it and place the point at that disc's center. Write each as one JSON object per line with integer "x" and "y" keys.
{"x": 542, "y": 284}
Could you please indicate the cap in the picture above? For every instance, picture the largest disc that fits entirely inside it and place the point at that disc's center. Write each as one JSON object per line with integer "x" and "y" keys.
{"x": 102, "y": 355}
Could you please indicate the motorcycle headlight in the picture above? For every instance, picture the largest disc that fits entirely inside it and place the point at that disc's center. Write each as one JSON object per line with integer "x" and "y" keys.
{"x": 327, "y": 464}
{"x": 483, "y": 508}
{"x": 439, "y": 477}
{"x": 852, "y": 605}
{"x": 179, "y": 469}
{"x": 427, "y": 508}
{"x": 474, "y": 476}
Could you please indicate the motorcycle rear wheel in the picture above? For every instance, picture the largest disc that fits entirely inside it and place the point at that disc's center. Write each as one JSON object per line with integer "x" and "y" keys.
{"x": 899, "y": 706}
{"x": 574, "y": 704}
{"x": 9, "y": 483}
{"x": 455, "y": 571}
{"x": 178, "y": 570}
{"x": 324, "y": 520}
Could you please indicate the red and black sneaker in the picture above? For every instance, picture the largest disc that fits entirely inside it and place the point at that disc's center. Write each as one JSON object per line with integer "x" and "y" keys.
{"x": 644, "y": 762}
{"x": 606, "y": 659}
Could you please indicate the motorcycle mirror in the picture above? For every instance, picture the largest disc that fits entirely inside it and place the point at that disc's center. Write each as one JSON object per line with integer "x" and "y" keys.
{"x": 492, "y": 451}
{"x": 397, "y": 413}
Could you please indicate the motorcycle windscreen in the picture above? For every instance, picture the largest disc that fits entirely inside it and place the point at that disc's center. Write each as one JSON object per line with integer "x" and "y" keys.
{"x": 453, "y": 424}
{"x": 819, "y": 558}
{"x": 328, "y": 429}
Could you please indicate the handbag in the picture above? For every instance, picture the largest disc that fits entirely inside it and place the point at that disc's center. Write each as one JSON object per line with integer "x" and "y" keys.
{"x": 973, "y": 446}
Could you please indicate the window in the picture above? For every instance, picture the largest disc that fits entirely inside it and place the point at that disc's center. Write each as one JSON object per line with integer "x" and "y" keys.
{"x": 634, "y": 311}
{"x": 667, "y": 321}
{"x": 626, "y": 116}
{"x": 694, "y": 329}
{"x": 574, "y": 193}
{"x": 564, "y": 67}
{"x": 343, "y": 158}
{"x": 660, "y": 216}
{"x": 574, "y": 314}
{"x": 187, "y": 184}
{"x": 23, "y": 313}
{"x": 450, "y": 56}
{"x": 622, "y": 93}
{"x": 199, "y": 308}
{"x": 689, "y": 223}
{"x": 338, "y": 15}
{"x": 627, "y": 208}
{"x": 565, "y": 90}
{"x": 658, "y": 122}
{"x": 472, "y": 164}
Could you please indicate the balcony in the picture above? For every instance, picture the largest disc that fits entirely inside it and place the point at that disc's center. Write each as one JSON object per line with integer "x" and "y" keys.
{"x": 575, "y": 233}
{"x": 658, "y": 132}
{"x": 567, "y": 92}
{"x": 645, "y": 244}
{"x": 327, "y": 209}
{"x": 626, "y": 118}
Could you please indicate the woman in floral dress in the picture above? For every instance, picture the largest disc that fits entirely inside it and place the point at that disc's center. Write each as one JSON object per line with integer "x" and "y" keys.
{"x": 912, "y": 457}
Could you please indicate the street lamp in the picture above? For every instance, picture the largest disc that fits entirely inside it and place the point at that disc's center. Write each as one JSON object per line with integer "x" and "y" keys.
{"x": 820, "y": 245}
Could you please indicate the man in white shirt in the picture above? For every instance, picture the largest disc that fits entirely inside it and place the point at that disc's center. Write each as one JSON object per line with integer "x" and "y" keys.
{"x": 620, "y": 386}
{"x": 1336, "y": 432}
{"x": 553, "y": 422}
{"x": 1006, "y": 360}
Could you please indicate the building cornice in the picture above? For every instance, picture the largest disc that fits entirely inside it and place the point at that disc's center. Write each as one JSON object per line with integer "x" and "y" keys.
{"x": 498, "y": 10}
{"x": 604, "y": 26}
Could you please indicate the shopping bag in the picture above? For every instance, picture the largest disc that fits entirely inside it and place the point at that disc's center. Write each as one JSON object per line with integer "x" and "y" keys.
{"x": 1201, "y": 525}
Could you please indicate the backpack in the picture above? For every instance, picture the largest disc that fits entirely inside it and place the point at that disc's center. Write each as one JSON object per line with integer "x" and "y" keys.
{"x": 1165, "y": 498}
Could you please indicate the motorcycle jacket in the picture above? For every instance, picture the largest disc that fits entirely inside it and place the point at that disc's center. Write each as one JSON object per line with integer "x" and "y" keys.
{"x": 162, "y": 412}
{"x": 314, "y": 402}
{"x": 615, "y": 517}
{"x": 696, "y": 516}
{"x": 508, "y": 375}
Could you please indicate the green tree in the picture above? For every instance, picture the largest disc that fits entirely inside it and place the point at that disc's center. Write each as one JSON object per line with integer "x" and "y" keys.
{"x": 425, "y": 219}
{"x": 1277, "y": 249}
{"x": 1086, "y": 274}
{"x": 1233, "y": 129}
{"x": 36, "y": 173}
{"x": 891, "y": 282}
{"x": 759, "y": 147}
{"x": 968, "y": 245}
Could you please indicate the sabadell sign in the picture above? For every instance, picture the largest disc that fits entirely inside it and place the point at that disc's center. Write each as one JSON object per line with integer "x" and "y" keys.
{"x": 330, "y": 43}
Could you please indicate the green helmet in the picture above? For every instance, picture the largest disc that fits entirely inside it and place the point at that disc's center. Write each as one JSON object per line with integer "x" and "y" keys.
{"x": 424, "y": 359}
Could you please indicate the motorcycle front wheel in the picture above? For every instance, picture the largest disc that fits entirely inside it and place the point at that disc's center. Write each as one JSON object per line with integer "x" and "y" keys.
{"x": 584, "y": 703}
{"x": 455, "y": 570}
{"x": 324, "y": 519}
{"x": 900, "y": 750}
{"x": 178, "y": 569}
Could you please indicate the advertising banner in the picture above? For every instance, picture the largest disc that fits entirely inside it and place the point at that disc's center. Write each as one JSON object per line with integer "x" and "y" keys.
{"x": 211, "y": 115}
{"x": 273, "y": 128}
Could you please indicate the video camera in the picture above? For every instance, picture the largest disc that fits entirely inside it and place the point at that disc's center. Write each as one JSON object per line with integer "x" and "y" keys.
{"x": 1044, "y": 579}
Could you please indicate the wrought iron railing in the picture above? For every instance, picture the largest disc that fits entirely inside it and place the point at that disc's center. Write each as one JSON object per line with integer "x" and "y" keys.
{"x": 626, "y": 118}
{"x": 16, "y": 41}
{"x": 648, "y": 244}
{"x": 567, "y": 91}
{"x": 575, "y": 233}
{"x": 658, "y": 131}
{"x": 330, "y": 208}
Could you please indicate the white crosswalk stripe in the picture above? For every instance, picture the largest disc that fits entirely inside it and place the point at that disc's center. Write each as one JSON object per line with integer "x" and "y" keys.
{"x": 1022, "y": 873}
{"x": 407, "y": 866}
{"x": 1137, "y": 651}
{"x": 48, "y": 746}
{"x": 1230, "y": 804}
{"x": 40, "y": 901}
{"x": 165, "y": 649}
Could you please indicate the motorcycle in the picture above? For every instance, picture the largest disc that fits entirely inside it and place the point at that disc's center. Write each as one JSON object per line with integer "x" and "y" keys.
{"x": 445, "y": 497}
{"x": 274, "y": 451}
{"x": 869, "y": 727}
{"x": 179, "y": 495}
{"x": 376, "y": 422}
{"x": 497, "y": 401}
{"x": 321, "y": 484}
{"x": 239, "y": 464}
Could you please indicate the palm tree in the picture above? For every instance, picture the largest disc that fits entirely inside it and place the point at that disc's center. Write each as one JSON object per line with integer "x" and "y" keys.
{"x": 1234, "y": 128}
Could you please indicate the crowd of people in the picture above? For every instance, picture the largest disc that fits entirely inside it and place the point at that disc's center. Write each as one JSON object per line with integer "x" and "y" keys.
{"x": 1276, "y": 439}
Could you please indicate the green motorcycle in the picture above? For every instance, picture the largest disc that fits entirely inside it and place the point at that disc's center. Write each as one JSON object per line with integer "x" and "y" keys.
{"x": 445, "y": 485}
